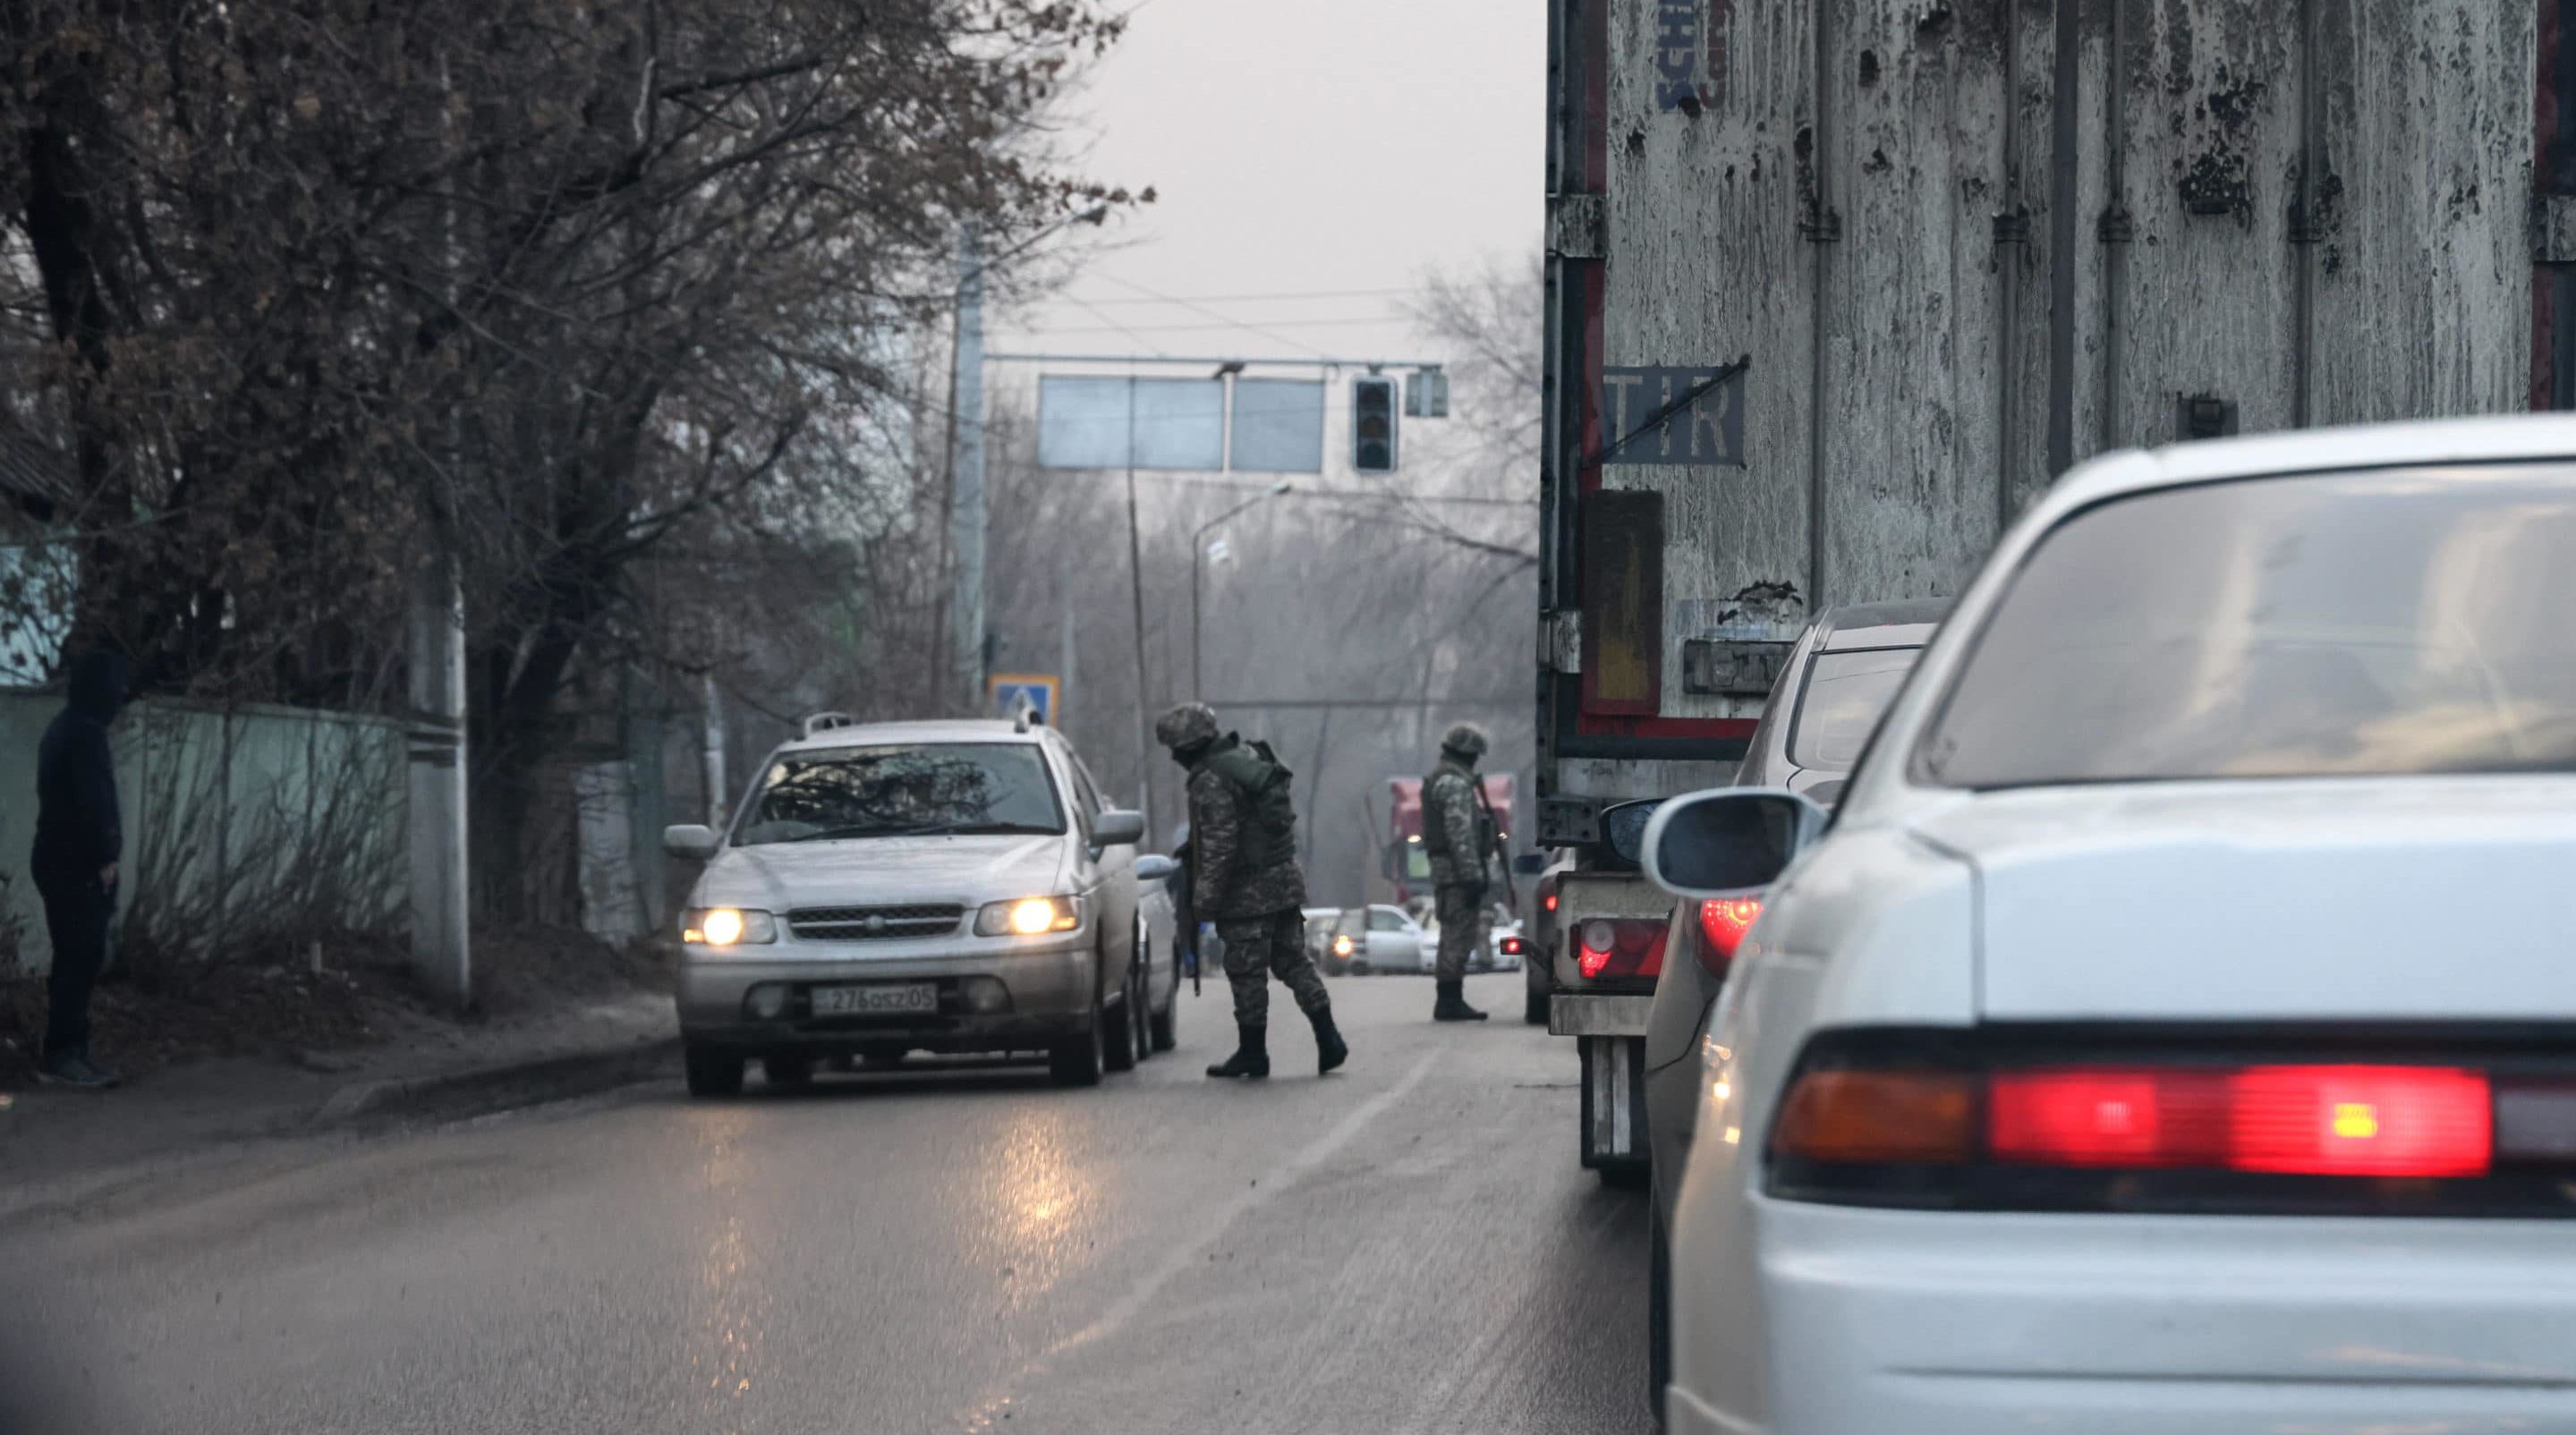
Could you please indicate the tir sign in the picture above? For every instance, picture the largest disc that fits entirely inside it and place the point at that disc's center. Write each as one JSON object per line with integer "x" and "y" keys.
{"x": 1373, "y": 424}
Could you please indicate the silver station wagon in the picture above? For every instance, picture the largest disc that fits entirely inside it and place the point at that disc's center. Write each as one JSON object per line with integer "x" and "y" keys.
{"x": 894, "y": 888}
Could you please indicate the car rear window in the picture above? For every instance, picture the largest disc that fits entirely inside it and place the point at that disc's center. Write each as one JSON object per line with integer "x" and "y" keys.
{"x": 2389, "y": 622}
{"x": 1844, "y": 694}
{"x": 895, "y": 791}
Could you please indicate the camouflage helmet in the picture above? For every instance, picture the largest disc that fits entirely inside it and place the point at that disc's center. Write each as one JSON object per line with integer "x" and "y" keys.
{"x": 1466, "y": 739}
{"x": 1186, "y": 726}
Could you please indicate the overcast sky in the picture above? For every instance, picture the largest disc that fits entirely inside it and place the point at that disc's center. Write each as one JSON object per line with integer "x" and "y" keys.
{"x": 1326, "y": 148}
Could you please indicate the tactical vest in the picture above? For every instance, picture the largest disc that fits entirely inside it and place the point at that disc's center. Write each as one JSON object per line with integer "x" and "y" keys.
{"x": 1270, "y": 838}
{"x": 1435, "y": 835}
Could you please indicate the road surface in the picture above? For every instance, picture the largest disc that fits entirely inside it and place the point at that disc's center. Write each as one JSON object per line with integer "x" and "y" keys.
{"x": 1407, "y": 1245}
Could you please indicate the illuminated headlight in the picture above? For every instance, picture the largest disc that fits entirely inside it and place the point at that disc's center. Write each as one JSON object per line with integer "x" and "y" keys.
{"x": 728, "y": 927}
{"x": 1342, "y": 946}
{"x": 1028, "y": 917}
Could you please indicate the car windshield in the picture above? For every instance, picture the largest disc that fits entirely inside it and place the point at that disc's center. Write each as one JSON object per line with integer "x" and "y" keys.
{"x": 1844, "y": 694}
{"x": 901, "y": 791}
{"x": 2388, "y": 622}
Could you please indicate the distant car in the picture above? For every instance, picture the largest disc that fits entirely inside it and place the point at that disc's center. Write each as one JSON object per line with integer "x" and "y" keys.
{"x": 2168, "y": 1030}
{"x": 899, "y": 887}
{"x": 1380, "y": 938}
{"x": 1837, "y": 680}
{"x": 1319, "y": 940}
{"x": 1538, "y": 958}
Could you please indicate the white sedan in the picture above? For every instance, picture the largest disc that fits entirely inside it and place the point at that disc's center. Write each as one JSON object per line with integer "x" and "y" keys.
{"x": 2175, "y": 1028}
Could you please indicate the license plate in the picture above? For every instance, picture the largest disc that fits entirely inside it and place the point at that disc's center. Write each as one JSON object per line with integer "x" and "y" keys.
{"x": 882, "y": 999}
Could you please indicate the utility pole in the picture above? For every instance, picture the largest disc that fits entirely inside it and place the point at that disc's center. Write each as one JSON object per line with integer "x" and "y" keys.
{"x": 440, "y": 950}
{"x": 966, "y": 471}
{"x": 711, "y": 752}
{"x": 1136, "y": 586}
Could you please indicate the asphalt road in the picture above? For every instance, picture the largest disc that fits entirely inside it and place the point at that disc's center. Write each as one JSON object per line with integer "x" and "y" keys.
{"x": 1407, "y": 1245}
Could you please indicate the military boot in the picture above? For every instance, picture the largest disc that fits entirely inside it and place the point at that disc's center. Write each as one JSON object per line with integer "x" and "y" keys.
{"x": 1452, "y": 1006}
{"x": 1330, "y": 1049}
{"x": 1251, "y": 1055}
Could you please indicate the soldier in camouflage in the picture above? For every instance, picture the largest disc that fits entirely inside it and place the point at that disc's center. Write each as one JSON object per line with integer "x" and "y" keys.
{"x": 1458, "y": 834}
{"x": 1245, "y": 879}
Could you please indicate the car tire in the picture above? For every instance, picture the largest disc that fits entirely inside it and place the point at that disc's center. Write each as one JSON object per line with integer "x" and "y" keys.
{"x": 1077, "y": 1060}
{"x": 1625, "y": 1175}
{"x": 1659, "y": 1320}
{"x": 788, "y": 1073}
{"x": 712, "y": 1071}
{"x": 1165, "y": 1026}
{"x": 1118, "y": 1040}
{"x": 1140, "y": 1014}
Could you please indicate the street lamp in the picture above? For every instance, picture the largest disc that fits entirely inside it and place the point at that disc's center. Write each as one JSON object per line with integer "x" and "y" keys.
{"x": 1198, "y": 567}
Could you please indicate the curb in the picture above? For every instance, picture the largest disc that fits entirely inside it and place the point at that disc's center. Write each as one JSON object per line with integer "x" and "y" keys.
{"x": 500, "y": 1086}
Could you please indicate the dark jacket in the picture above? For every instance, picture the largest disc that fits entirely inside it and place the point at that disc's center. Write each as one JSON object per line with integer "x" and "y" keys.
{"x": 77, "y": 828}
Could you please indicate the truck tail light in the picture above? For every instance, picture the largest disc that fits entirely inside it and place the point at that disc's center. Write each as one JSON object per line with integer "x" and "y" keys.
{"x": 1722, "y": 925}
{"x": 2176, "y": 1129}
{"x": 1619, "y": 947}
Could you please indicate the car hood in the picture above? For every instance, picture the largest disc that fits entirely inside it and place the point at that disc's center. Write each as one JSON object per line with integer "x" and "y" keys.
{"x": 2369, "y": 899}
{"x": 967, "y": 871}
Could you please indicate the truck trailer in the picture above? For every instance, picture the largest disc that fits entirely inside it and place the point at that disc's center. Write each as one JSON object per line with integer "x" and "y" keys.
{"x": 1836, "y": 287}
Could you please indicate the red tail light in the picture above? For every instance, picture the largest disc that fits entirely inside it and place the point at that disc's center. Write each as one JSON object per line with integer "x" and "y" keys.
{"x": 1722, "y": 925}
{"x": 1619, "y": 947}
{"x": 2198, "y": 1135}
{"x": 1512, "y": 946}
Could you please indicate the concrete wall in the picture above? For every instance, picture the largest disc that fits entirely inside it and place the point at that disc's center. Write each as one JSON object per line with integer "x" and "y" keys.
{"x": 248, "y": 826}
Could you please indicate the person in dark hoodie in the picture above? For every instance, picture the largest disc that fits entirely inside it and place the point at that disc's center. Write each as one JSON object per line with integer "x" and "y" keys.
{"x": 78, "y": 841}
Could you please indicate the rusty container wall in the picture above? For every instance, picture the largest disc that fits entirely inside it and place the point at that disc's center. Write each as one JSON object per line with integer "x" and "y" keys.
{"x": 1960, "y": 244}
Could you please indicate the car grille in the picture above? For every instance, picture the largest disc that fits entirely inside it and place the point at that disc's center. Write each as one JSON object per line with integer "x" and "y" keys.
{"x": 869, "y": 924}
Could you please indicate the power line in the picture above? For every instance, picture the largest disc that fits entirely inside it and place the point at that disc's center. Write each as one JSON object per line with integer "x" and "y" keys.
{"x": 1198, "y": 308}
{"x": 1352, "y": 321}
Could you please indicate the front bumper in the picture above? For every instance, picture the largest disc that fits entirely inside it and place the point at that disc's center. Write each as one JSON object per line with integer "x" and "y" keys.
{"x": 1945, "y": 1323}
{"x": 1049, "y": 996}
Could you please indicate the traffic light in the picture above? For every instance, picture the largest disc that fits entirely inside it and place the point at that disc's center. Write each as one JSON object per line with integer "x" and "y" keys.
{"x": 1373, "y": 424}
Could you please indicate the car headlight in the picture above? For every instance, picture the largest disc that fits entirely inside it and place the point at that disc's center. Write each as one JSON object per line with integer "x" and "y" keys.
{"x": 1341, "y": 946}
{"x": 1028, "y": 917}
{"x": 727, "y": 927}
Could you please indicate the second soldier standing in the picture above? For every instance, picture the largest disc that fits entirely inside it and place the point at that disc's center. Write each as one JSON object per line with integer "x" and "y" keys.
{"x": 1244, "y": 878}
{"x": 1459, "y": 833}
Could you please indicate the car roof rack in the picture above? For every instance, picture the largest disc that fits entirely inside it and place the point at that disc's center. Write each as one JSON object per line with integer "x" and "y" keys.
{"x": 825, "y": 722}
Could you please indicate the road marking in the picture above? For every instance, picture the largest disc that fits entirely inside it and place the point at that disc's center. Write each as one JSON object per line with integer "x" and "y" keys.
{"x": 1313, "y": 1154}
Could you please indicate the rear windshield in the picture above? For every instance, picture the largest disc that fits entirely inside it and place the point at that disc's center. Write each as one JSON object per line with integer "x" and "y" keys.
{"x": 1844, "y": 695}
{"x": 904, "y": 791}
{"x": 2413, "y": 621}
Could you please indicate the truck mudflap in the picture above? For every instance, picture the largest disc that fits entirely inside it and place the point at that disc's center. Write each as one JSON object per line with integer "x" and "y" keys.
{"x": 1614, "y": 1103}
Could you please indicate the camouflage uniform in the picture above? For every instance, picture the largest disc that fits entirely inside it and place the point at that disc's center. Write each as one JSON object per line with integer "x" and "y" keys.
{"x": 1257, "y": 913}
{"x": 1450, "y": 807}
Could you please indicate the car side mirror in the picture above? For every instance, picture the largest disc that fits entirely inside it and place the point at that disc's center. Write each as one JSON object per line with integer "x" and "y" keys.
{"x": 691, "y": 839}
{"x": 1729, "y": 841}
{"x": 1156, "y": 868}
{"x": 1529, "y": 864}
{"x": 1119, "y": 828}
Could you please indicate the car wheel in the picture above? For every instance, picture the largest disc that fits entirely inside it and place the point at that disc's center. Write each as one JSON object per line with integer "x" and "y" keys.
{"x": 788, "y": 1072}
{"x": 1625, "y": 1175}
{"x": 1077, "y": 1060}
{"x": 1140, "y": 1004}
{"x": 1659, "y": 1321}
{"x": 713, "y": 1072}
{"x": 1165, "y": 1026}
{"x": 1118, "y": 1042}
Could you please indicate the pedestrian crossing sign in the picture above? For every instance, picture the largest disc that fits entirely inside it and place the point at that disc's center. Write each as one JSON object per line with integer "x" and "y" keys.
{"x": 1013, "y": 694}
